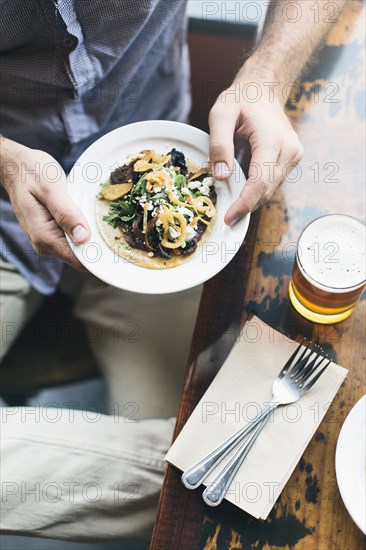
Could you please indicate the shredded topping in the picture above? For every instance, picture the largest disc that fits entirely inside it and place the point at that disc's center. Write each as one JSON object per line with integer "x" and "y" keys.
{"x": 175, "y": 227}
{"x": 161, "y": 204}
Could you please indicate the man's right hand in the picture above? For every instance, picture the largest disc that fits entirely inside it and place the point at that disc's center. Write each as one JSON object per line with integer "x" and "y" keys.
{"x": 36, "y": 185}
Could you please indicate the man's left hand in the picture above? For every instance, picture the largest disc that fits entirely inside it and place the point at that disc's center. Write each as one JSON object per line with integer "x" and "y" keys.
{"x": 275, "y": 147}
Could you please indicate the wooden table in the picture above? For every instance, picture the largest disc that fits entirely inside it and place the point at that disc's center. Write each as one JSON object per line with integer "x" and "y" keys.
{"x": 329, "y": 118}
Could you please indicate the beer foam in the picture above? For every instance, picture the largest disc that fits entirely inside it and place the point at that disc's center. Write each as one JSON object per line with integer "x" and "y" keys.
{"x": 331, "y": 252}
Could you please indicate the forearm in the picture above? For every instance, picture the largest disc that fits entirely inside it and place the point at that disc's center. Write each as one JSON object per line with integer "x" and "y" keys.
{"x": 293, "y": 33}
{"x": 11, "y": 154}
{"x": 36, "y": 185}
{"x": 6, "y": 150}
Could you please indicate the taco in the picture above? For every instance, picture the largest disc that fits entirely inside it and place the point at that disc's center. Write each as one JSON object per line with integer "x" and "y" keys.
{"x": 155, "y": 209}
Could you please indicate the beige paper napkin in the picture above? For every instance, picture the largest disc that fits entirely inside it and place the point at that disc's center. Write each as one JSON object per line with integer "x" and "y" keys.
{"x": 240, "y": 389}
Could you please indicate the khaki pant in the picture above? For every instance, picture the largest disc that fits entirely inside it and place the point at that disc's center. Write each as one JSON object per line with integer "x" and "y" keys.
{"x": 80, "y": 475}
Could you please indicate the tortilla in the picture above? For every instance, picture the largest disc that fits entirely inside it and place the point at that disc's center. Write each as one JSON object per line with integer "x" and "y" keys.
{"x": 115, "y": 238}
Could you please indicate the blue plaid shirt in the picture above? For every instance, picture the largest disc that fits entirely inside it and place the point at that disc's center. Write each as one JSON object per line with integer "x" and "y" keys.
{"x": 72, "y": 70}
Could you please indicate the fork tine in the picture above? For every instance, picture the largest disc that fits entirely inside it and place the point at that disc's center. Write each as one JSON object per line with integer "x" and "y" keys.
{"x": 303, "y": 359}
{"x": 317, "y": 376}
{"x": 302, "y": 379}
{"x": 310, "y": 368}
{"x": 289, "y": 361}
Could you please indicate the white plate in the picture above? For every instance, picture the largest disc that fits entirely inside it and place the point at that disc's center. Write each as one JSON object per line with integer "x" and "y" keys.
{"x": 350, "y": 463}
{"x": 95, "y": 165}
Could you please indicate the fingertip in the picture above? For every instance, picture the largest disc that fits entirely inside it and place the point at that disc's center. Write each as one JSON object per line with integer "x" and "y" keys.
{"x": 231, "y": 221}
{"x": 235, "y": 213}
{"x": 80, "y": 234}
{"x": 221, "y": 171}
{"x": 232, "y": 217}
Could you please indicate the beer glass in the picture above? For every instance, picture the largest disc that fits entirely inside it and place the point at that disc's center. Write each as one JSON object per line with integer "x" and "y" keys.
{"x": 328, "y": 276}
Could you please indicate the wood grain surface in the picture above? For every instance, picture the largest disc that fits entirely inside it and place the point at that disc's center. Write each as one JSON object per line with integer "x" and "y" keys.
{"x": 328, "y": 113}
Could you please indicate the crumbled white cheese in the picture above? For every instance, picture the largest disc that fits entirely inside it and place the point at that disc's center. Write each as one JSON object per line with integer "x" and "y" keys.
{"x": 206, "y": 184}
{"x": 205, "y": 190}
{"x": 190, "y": 232}
{"x": 203, "y": 187}
{"x": 185, "y": 212}
{"x": 208, "y": 181}
{"x": 194, "y": 185}
{"x": 184, "y": 191}
{"x": 157, "y": 210}
{"x": 151, "y": 206}
{"x": 142, "y": 199}
{"x": 158, "y": 223}
{"x": 174, "y": 234}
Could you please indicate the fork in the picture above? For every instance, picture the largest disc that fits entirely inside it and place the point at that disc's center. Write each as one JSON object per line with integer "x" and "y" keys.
{"x": 288, "y": 387}
{"x": 215, "y": 492}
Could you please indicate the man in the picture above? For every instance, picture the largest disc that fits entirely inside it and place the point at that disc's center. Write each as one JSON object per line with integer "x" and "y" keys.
{"x": 72, "y": 71}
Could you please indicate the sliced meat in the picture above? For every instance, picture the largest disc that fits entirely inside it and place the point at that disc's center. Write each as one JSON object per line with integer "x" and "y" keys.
{"x": 125, "y": 174}
{"x": 190, "y": 247}
{"x": 133, "y": 241}
{"x": 164, "y": 252}
{"x": 213, "y": 195}
{"x": 122, "y": 174}
{"x": 152, "y": 237}
{"x": 137, "y": 228}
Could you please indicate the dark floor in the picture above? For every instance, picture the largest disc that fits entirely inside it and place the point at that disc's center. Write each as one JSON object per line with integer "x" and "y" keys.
{"x": 83, "y": 393}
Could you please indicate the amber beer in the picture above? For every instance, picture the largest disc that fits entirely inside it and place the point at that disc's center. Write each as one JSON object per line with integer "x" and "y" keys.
{"x": 329, "y": 271}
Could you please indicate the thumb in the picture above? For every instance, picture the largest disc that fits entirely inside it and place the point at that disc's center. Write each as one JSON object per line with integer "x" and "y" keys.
{"x": 222, "y": 125}
{"x": 258, "y": 184}
{"x": 66, "y": 214}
